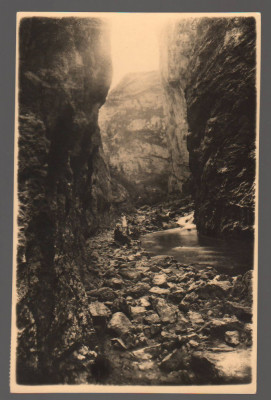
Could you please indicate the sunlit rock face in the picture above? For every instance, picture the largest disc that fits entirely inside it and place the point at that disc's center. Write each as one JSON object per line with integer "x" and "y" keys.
{"x": 133, "y": 129}
{"x": 63, "y": 185}
{"x": 176, "y": 43}
{"x": 211, "y": 65}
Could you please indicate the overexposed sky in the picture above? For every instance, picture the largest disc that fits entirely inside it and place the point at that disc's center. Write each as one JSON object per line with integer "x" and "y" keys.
{"x": 134, "y": 43}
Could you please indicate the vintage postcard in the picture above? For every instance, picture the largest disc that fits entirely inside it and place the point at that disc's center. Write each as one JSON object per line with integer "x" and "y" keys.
{"x": 136, "y": 203}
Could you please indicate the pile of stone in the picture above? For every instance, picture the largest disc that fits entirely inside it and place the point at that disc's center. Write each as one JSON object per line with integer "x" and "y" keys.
{"x": 164, "y": 322}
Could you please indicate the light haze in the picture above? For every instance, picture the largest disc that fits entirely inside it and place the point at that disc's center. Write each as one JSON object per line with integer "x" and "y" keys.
{"x": 134, "y": 44}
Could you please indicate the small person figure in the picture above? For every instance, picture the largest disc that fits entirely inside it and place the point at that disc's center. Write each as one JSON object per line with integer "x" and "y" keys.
{"x": 124, "y": 224}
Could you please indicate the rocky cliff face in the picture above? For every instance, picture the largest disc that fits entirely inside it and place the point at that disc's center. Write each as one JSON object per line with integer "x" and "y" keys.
{"x": 176, "y": 43}
{"x": 63, "y": 185}
{"x": 133, "y": 129}
{"x": 211, "y": 63}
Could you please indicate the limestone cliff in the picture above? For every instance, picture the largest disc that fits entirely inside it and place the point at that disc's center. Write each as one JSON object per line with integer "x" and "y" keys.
{"x": 63, "y": 185}
{"x": 176, "y": 42}
{"x": 211, "y": 64}
{"x": 133, "y": 129}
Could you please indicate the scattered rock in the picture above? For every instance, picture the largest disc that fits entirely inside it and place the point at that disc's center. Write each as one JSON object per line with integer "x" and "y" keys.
{"x": 170, "y": 225}
{"x": 152, "y": 319}
{"x": 211, "y": 290}
{"x": 158, "y": 290}
{"x": 204, "y": 369}
{"x": 100, "y": 314}
{"x": 85, "y": 356}
{"x": 170, "y": 340}
{"x": 152, "y": 330}
{"x": 160, "y": 279}
{"x": 116, "y": 283}
{"x": 224, "y": 285}
{"x": 141, "y": 340}
{"x": 166, "y": 311}
{"x": 243, "y": 313}
{"x": 232, "y": 338}
{"x": 139, "y": 290}
{"x": 146, "y": 353}
{"x": 177, "y": 295}
{"x": 121, "y": 305}
{"x": 193, "y": 343}
{"x": 98, "y": 309}
{"x": 175, "y": 361}
{"x": 130, "y": 274}
{"x": 144, "y": 302}
{"x": 190, "y": 298}
{"x": 137, "y": 310}
{"x": 181, "y": 327}
{"x": 155, "y": 268}
{"x": 79, "y": 357}
{"x": 119, "y": 324}
{"x": 242, "y": 286}
{"x": 146, "y": 365}
{"x": 221, "y": 325}
{"x": 195, "y": 318}
{"x": 194, "y": 285}
{"x": 118, "y": 343}
{"x": 162, "y": 260}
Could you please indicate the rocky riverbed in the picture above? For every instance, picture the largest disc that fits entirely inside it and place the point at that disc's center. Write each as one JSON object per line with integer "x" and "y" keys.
{"x": 161, "y": 322}
{"x": 94, "y": 303}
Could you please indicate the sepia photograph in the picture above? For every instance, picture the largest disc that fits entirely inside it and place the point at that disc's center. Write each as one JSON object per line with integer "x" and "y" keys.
{"x": 136, "y": 203}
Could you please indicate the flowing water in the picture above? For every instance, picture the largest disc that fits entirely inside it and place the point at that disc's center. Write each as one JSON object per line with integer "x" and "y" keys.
{"x": 188, "y": 247}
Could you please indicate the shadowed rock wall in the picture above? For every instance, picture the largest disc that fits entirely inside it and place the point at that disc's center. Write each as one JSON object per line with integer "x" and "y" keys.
{"x": 213, "y": 67}
{"x": 63, "y": 185}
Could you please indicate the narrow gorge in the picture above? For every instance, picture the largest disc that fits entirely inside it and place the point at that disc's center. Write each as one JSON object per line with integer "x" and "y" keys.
{"x": 136, "y": 206}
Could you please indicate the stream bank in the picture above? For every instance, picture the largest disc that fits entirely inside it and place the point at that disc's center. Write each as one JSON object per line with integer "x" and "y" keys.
{"x": 160, "y": 321}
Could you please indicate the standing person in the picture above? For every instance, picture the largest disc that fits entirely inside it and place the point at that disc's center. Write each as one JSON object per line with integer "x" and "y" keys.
{"x": 124, "y": 224}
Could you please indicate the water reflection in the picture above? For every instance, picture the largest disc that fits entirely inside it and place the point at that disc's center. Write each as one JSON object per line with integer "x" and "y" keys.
{"x": 186, "y": 246}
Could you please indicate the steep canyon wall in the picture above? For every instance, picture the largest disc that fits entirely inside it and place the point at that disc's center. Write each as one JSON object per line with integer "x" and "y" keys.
{"x": 176, "y": 43}
{"x": 63, "y": 185}
{"x": 209, "y": 66}
{"x": 133, "y": 129}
